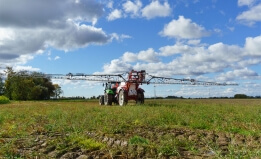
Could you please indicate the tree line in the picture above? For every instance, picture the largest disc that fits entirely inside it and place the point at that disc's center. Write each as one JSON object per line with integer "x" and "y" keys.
{"x": 17, "y": 87}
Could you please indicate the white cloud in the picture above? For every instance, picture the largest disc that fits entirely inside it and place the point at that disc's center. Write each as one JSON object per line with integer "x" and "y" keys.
{"x": 183, "y": 28}
{"x": 57, "y": 57}
{"x": 120, "y": 37}
{"x": 155, "y": 9}
{"x": 174, "y": 49}
{"x": 132, "y": 7}
{"x": 227, "y": 53}
{"x": 25, "y": 68}
{"x": 116, "y": 66}
{"x": 129, "y": 57}
{"x": 6, "y": 34}
{"x": 148, "y": 55}
{"x": 21, "y": 60}
{"x": 251, "y": 16}
{"x": 194, "y": 60}
{"x": 247, "y": 62}
{"x": 194, "y": 42}
{"x": 245, "y": 2}
{"x": 115, "y": 14}
{"x": 30, "y": 27}
{"x": 252, "y": 46}
{"x": 244, "y": 73}
{"x": 40, "y": 39}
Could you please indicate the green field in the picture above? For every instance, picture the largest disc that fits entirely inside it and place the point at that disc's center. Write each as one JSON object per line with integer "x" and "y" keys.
{"x": 182, "y": 128}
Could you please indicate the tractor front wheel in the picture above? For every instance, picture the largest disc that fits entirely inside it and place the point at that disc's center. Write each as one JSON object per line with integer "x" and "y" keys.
{"x": 108, "y": 99}
{"x": 122, "y": 98}
{"x": 101, "y": 100}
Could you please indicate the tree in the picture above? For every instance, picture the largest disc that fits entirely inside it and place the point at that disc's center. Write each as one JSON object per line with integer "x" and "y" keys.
{"x": 8, "y": 82}
{"x": 1, "y": 86}
{"x": 240, "y": 96}
{"x": 20, "y": 87}
{"x": 57, "y": 91}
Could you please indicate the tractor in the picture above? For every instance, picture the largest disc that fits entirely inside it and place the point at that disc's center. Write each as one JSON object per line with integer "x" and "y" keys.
{"x": 121, "y": 92}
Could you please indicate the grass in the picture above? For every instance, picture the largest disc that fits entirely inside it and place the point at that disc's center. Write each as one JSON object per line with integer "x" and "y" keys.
{"x": 20, "y": 119}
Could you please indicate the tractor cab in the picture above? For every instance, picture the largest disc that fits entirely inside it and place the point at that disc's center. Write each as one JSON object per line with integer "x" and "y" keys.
{"x": 137, "y": 76}
{"x": 110, "y": 94}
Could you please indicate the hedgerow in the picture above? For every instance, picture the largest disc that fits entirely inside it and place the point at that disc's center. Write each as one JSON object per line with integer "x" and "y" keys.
{"x": 4, "y": 100}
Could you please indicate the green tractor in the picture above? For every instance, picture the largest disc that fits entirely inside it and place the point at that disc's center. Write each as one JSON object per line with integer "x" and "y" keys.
{"x": 109, "y": 96}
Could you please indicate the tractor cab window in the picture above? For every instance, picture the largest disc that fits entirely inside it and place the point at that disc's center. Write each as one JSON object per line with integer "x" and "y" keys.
{"x": 108, "y": 86}
{"x": 134, "y": 75}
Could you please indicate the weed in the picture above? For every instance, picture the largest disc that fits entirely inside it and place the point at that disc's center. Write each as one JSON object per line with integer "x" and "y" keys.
{"x": 85, "y": 142}
{"x": 242, "y": 152}
{"x": 169, "y": 148}
{"x": 138, "y": 140}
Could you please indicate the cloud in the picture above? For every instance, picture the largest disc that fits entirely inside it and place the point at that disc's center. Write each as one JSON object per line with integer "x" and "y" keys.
{"x": 148, "y": 55}
{"x": 21, "y": 60}
{"x": 247, "y": 62}
{"x": 244, "y": 73}
{"x": 251, "y": 16}
{"x": 27, "y": 41}
{"x": 195, "y": 60}
{"x": 57, "y": 57}
{"x": 116, "y": 66}
{"x": 155, "y": 9}
{"x": 132, "y": 8}
{"x": 48, "y": 13}
{"x": 119, "y": 37}
{"x": 252, "y": 46}
{"x": 129, "y": 57}
{"x": 30, "y": 27}
{"x": 245, "y": 2}
{"x": 115, "y": 14}
{"x": 183, "y": 29}
{"x": 25, "y": 68}
{"x": 178, "y": 48}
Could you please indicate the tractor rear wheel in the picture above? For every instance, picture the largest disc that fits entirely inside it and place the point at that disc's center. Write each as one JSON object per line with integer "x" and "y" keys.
{"x": 140, "y": 98}
{"x": 122, "y": 98}
{"x": 101, "y": 100}
{"x": 108, "y": 99}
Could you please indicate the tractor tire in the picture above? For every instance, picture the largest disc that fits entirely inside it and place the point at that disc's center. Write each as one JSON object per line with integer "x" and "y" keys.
{"x": 108, "y": 99}
{"x": 140, "y": 98}
{"x": 101, "y": 100}
{"x": 123, "y": 98}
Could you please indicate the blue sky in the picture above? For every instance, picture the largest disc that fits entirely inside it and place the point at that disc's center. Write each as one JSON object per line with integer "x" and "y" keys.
{"x": 211, "y": 40}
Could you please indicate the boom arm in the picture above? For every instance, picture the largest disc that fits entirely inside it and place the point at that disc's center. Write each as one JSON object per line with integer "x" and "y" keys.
{"x": 183, "y": 81}
{"x": 150, "y": 79}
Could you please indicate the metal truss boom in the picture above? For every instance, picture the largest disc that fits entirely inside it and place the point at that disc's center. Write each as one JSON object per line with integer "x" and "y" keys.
{"x": 150, "y": 79}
